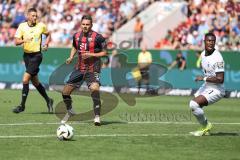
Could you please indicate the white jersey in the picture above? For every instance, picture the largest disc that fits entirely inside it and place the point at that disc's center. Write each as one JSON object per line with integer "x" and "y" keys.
{"x": 211, "y": 65}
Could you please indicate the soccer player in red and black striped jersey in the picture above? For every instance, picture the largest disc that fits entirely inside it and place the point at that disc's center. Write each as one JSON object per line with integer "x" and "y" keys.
{"x": 90, "y": 47}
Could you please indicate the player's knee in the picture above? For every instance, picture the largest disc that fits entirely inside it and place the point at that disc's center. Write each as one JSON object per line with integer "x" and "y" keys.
{"x": 66, "y": 91}
{"x": 35, "y": 83}
{"x": 193, "y": 105}
{"x": 25, "y": 81}
{"x": 94, "y": 87}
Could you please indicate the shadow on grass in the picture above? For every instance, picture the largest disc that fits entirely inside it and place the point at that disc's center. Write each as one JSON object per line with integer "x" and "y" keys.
{"x": 103, "y": 123}
{"x": 68, "y": 140}
{"x": 41, "y": 113}
{"x": 112, "y": 122}
{"x": 225, "y": 134}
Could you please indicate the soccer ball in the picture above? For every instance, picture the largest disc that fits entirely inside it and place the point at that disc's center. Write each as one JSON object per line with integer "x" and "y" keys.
{"x": 64, "y": 132}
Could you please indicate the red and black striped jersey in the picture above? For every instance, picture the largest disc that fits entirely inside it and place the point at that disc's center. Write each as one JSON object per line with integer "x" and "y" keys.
{"x": 94, "y": 43}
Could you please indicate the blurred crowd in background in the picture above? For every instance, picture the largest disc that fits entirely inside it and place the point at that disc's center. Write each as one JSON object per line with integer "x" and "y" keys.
{"x": 220, "y": 16}
{"x": 63, "y": 19}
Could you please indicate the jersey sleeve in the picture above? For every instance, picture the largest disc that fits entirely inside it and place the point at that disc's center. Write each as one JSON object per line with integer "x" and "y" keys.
{"x": 149, "y": 57}
{"x": 19, "y": 32}
{"x": 101, "y": 42}
{"x": 219, "y": 64}
{"x": 139, "y": 57}
{"x": 73, "y": 41}
{"x": 219, "y": 67}
{"x": 44, "y": 29}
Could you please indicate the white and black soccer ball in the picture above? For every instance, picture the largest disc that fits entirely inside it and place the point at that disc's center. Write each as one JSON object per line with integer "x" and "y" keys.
{"x": 65, "y": 132}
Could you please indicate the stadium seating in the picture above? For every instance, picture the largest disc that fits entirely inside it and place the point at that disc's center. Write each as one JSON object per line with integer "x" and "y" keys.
{"x": 221, "y": 17}
{"x": 63, "y": 16}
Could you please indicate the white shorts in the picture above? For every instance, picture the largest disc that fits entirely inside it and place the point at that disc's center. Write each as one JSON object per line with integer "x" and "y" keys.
{"x": 212, "y": 94}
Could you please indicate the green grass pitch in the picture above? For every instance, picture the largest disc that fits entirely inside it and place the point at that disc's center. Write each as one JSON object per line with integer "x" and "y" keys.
{"x": 156, "y": 128}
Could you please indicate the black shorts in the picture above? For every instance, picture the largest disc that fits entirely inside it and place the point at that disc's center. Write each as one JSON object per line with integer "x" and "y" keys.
{"x": 144, "y": 73}
{"x": 77, "y": 78}
{"x": 32, "y": 62}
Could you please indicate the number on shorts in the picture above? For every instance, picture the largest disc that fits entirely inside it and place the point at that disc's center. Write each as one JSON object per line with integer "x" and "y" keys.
{"x": 210, "y": 92}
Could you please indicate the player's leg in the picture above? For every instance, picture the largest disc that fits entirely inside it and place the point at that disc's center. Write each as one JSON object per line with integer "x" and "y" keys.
{"x": 141, "y": 80}
{"x": 33, "y": 69}
{"x": 145, "y": 76}
{"x": 75, "y": 81}
{"x": 42, "y": 91}
{"x": 139, "y": 85}
{"x": 95, "y": 94}
{"x": 66, "y": 94}
{"x": 25, "y": 81}
{"x": 93, "y": 83}
{"x": 25, "y": 90}
{"x": 204, "y": 97}
{"x": 196, "y": 105}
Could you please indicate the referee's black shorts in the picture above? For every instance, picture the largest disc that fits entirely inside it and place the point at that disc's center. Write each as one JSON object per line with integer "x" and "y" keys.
{"x": 32, "y": 62}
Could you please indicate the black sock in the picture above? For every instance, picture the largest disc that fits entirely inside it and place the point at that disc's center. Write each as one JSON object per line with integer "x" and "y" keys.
{"x": 42, "y": 91}
{"x": 68, "y": 101}
{"x": 139, "y": 85}
{"x": 25, "y": 91}
{"x": 147, "y": 86}
{"x": 96, "y": 102}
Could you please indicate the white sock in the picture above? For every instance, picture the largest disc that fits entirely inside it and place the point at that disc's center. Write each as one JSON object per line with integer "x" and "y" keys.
{"x": 198, "y": 112}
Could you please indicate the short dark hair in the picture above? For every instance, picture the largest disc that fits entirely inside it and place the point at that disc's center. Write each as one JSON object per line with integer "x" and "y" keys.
{"x": 210, "y": 34}
{"x": 88, "y": 17}
{"x": 32, "y": 10}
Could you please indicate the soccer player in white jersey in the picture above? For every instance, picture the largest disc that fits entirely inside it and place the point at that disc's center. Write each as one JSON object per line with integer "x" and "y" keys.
{"x": 212, "y": 90}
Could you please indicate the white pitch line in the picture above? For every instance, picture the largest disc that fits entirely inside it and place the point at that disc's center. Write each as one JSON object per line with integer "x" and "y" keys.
{"x": 144, "y": 122}
{"x": 33, "y": 136}
{"x": 26, "y": 124}
{"x": 131, "y": 135}
{"x": 187, "y": 123}
{"x": 96, "y": 135}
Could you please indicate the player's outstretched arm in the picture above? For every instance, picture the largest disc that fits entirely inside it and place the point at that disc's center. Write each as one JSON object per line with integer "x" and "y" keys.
{"x": 48, "y": 40}
{"x": 219, "y": 78}
{"x": 72, "y": 54}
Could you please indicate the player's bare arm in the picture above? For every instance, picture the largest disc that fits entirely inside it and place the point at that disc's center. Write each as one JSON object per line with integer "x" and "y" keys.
{"x": 218, "y": 79}
{"x": 48, "y": 40}
{"x": 72, "y": 54}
